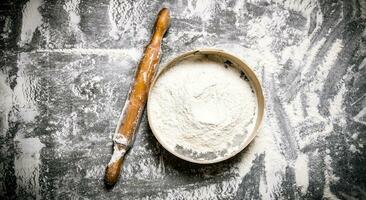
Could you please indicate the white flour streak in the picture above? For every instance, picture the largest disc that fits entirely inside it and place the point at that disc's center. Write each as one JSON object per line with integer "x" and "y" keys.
{"x": 361, "y": 116}
{"x": 134, "y": 53}
{"x": 313, "y": 97}
{"x": 31, "y": 19}
{"x": 331, "y": 57}
{"x": 5, "y": 104}
{"x": 95, "y": 172}
{"x": 204, "y": 192}
{"x": 310, "y": 57}
{"x": 260, "y": 56}
{"x": 127, "y": 17}
{"x": 329, "y": 177}
{"x": 144, "y": 170}
{"x": 302, "y": 172}
{"x": 301, "y": 52}
{"x": 24, "y": 92}
{"x": 354, "y": 149}
{"x": 362, "y": 65}
{"x": 355, "y": 136}
{"x": 336, "y": 110}
{"x": 27, "y": 164}
{"x": 263, "y": 189}
{"x": 204, "y": 9}
{"x": 119, "y": 16}
{"x": 114, "y": 29}
{"x": 238, "y": 7}
{"x": 27, "y": 160}
{"x": 72, "y": 7}
{"x": 297, "y": 53}
{"x": 69, "y": 128}
{"x": 275, "y": 163}
{"x": 306, "y": 7}
{"x": 257, "y": 28}
{"x": 7, "y": 28}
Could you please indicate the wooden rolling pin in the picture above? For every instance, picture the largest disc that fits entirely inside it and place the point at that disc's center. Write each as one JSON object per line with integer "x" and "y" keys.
{"x": 136, "y": 100}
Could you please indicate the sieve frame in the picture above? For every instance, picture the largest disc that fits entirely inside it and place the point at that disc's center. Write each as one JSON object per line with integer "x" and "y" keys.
{"x": 238, "y": 63}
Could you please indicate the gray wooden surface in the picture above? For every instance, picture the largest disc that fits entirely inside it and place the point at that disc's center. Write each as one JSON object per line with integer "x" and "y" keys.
{"x": 64, "y": 75}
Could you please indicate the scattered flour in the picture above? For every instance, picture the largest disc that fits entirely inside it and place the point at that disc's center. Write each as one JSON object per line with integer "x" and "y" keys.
{"x": 133, "y": 53}
{"x": 127, "y": 16}
{"x": 302, "y": 54}
{"x": 274, "y": 161}
{"x": 202, "y": 110}
{"x": 31, "y": 19}
{"x": 72, "y": 8}
{"x": 361, "y": 116}
{"x": 27, "y": 164}
{"x": 354, "y": 149}
{"x": 266, "y": 61}
{"x": 202, "y": 9}
{"x": 5, "y": 104}
{"x": 7, "y": 28}
{"x": 27, "y": 160}
{"x": 329, "y": 177}
{"x": 302, "y": 172}
{"x": 23, "y": 92}
{"x": 336, "y": 106}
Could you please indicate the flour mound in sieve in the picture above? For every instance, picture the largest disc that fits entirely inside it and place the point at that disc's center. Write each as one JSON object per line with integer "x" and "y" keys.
{"x": 202, "y": 109}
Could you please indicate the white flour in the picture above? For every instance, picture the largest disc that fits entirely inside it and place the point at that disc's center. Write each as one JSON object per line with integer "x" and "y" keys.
{"x": 256, "y": 44}
{"x": 5, "y": 104}
{"x": 133, "y": 53}
{"x": 127, "y": 17}
{"x": 72, "y": 7}
{"x": 302, "y": 172}
{"x": 30, "y": 21}
{"x": 199, "y": 107}
{"x": 27, "y": 164}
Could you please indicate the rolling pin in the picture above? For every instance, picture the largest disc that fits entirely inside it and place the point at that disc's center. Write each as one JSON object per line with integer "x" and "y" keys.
{"x": 136, "y": 100}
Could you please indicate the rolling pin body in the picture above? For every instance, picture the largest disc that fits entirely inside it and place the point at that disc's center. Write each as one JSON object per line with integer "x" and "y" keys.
{"x": 136, "y": 100}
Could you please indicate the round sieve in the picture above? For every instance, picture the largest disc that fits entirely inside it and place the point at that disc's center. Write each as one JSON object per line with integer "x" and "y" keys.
{"x": 220, "y": 56}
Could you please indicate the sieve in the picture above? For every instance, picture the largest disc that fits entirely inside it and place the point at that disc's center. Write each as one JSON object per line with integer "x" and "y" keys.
{"x": 219, "y": 56}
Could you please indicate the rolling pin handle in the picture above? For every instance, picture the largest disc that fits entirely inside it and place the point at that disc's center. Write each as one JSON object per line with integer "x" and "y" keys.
{"x": 126, "y": 130}
{"x": 161, "y": 26}
{"x": 112, "y": 172}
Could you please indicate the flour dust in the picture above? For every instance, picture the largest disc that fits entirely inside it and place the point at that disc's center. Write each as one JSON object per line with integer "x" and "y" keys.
{"x": 202, "y": 109}
{"x": 287, "y": 43}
